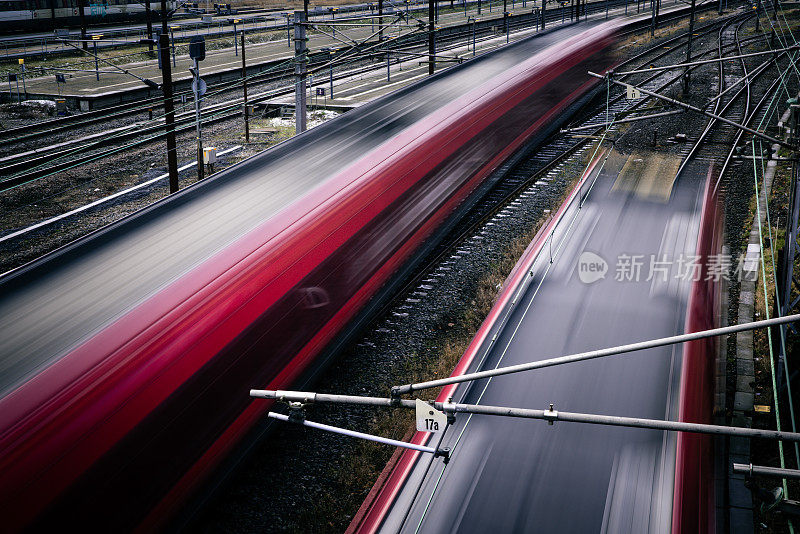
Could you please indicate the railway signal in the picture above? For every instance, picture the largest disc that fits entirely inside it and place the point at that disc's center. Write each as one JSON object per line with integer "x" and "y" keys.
{"x": 59, "y": 80}
{"x": 22, "y": 68}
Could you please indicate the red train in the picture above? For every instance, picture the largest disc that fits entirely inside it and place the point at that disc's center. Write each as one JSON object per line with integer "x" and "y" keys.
{"x": 116, "y": 430}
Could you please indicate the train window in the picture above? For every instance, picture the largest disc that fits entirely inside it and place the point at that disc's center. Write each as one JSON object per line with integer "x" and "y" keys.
{"x": 16, "y": 5}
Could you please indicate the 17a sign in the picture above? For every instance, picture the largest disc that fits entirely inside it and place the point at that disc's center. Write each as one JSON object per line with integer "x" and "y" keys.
{"x": 429, "y": 419}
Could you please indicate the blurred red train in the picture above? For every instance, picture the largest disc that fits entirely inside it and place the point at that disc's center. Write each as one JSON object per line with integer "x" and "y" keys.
{"x": 118, "y": 430}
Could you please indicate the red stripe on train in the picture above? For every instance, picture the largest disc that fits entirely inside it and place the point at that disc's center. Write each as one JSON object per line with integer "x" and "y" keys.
{"x": 693, "y": 499}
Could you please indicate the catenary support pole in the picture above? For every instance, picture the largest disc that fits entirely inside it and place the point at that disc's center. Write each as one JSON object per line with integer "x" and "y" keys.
{"x": 653, "y": 18}
{"x": 689, "y": 50}
{"x": 431, "y": 37}
{"x": 172, "y": 47}
{"x": 473, "y": 37}
{"x": 149, "y": 18}
{"x": 330, "y": 60}
{"x": 544, "y": 13}
{"x": 380, "y": 20}
{"x": 82, "y": 16}
{"x": 550, "y": 415}
{"x": 766, "y": 471}
{"x": 169, "y": 105}
{"x": 300, "y": 71}
{"x": 96, "y": 60}
{"x": 244, "y": 93}
{"x": 198, "y": 130}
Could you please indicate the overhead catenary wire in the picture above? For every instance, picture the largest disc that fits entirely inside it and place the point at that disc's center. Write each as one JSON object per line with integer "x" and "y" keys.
{"x": 594, "y": 354}
{"x": 550, "y": 415}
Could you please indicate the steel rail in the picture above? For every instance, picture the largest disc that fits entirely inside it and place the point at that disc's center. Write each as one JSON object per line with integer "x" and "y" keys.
{"x": 459, "y": 236}
{"x": 620, "y": 121}
{"x": 92, "y": 117}
{"x": 717, "y": 101}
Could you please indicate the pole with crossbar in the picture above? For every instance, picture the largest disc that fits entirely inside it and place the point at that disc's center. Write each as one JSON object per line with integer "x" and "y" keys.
{"x": 583, "y": 356}
{"x": 763, "y": 470}
{"x": 551, "y": 415}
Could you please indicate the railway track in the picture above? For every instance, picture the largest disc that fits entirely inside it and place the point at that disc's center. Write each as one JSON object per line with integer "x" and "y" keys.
{"x": 226, "y": 110}
{"x": 528, "y": 174}
{"x": 222, "y": 111}
{"x": 16, "y": 163}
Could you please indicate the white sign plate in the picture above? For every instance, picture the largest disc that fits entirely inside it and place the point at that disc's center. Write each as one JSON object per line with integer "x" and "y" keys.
{"x": 200, "y": 88}
{"x": 633, "y": 93}
{"x": 429, "y": 419}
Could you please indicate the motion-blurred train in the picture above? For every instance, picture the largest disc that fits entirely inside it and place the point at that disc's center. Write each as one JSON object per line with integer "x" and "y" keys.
{"x": 27, "y": 15}
{"x": 126, "y": 357}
